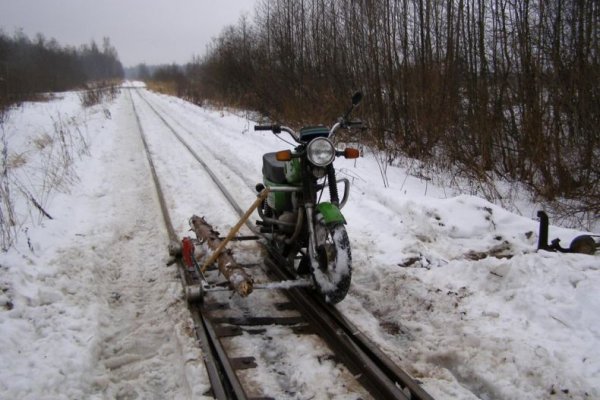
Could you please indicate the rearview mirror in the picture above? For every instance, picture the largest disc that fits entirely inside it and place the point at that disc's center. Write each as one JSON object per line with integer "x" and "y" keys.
{"x": 356, "y": 98}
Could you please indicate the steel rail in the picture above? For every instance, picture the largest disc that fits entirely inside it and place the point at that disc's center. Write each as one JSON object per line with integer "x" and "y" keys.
{"x": 224, "y": 382}
{"x": 212, "y": 175}
{"x": 374, "y": 370}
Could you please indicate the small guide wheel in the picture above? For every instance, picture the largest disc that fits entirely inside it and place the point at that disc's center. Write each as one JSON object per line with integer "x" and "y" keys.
{"x": 194, "y": 294}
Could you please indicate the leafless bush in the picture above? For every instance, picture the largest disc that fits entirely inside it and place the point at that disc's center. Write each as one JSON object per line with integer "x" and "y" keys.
{"x": 34, "y": 179}
{"x": 500, "y": 89}
{"x": 65, "y": 144}
{"x": 583, "y": 213}
{"x": 97, "y": 93}
{"x": 91, "y": 97}
{"x": 7, "y": 218}
{"x": 3, "y": 110}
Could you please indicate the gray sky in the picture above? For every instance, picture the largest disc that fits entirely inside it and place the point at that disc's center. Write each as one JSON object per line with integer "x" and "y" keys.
{"x": 151, "y": 31}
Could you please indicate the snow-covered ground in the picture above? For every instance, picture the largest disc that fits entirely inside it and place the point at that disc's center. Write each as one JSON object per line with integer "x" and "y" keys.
{"x": 449, "y": 285}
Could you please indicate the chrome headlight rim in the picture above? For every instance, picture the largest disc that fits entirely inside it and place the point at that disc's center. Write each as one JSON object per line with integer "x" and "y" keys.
{"x": 320, "y": 152}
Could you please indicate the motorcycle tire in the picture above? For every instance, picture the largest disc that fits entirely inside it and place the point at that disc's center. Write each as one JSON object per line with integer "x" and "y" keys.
{"x": 332, "y": 277}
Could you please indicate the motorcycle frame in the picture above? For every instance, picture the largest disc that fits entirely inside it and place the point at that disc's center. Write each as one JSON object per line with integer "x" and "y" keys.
{"x": 309, "y": 188}
{"x": 297, "y": 189}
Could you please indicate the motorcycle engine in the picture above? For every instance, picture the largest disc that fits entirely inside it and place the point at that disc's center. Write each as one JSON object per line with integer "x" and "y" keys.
{"x": 289, "y": 218}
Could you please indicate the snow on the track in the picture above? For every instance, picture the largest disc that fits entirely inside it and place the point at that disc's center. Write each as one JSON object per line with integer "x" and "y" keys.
{"x": 88, "y": 308}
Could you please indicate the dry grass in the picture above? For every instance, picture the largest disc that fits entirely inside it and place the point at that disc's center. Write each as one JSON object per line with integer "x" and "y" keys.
{"x": 16, "y": 160}
{"x": 163, "y": 87}
{"x": 98, "y": 92}
{"x": 43, "y": 141}
{"x": 34, "y": 175}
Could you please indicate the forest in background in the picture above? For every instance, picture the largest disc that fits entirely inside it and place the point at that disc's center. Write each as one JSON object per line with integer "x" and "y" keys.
{"x": 486, "y": 88}
{"x": 29, "y": 67}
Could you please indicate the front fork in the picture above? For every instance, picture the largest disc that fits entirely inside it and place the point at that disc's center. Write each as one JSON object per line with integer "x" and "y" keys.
{"x": 330, "y": 214}
{"x": 312, "y": 236}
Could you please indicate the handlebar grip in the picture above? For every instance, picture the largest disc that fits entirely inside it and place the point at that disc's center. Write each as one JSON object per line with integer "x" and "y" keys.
{"x": 272, "y": 128}
{"x": 356, "y": 124}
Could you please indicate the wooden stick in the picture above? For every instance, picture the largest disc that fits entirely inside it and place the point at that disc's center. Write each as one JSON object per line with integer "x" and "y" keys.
{"x": 261, "y": 197}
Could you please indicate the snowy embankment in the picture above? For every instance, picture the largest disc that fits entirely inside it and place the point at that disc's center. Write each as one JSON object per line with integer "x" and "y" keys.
{"x": 450, "y": 286}
{"x": 89, "y": 309}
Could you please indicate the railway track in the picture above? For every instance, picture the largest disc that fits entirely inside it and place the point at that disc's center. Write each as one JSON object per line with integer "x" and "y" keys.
{"x": 221, "y": 328}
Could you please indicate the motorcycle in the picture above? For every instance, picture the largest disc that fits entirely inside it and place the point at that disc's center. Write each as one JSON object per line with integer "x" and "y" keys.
{"x": 303, "y": 232}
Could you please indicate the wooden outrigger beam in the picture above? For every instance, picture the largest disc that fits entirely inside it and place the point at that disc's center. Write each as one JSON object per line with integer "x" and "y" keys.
{"x": 241, "y": 282}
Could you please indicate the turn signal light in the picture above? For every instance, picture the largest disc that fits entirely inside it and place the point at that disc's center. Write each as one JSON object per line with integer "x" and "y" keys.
{"x": 283, "y": 155}
{"x": 349, "y": 152}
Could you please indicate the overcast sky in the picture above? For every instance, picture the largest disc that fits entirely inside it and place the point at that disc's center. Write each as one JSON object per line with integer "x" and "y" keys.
{"x": 150, "y": 31}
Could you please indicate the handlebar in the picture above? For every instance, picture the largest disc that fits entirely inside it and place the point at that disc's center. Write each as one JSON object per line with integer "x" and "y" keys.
{"x": 355, "y": 124}
{"x": 272, "y": 128}
{"x": 342, "y": 122}
{"x": 277, "y": 129}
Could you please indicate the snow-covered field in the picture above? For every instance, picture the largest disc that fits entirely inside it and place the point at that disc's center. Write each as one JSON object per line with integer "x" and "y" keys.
{"x": 88, "y": 308}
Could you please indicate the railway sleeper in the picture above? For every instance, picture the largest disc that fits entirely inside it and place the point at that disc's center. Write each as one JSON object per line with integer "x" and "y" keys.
{"x": 235, "y": 326}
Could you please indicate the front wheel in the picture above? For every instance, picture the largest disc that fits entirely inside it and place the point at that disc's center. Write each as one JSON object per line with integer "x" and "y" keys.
{"x": 334, "y": 272}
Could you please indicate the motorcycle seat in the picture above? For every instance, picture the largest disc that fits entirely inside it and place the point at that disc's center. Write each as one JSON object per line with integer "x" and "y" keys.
{"x": 273, "y": 170}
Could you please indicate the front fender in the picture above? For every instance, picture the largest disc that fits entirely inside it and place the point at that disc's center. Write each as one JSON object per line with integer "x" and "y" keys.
{"x": 331, "y": 213}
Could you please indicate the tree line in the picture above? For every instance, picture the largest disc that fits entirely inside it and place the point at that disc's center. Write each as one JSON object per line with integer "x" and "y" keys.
{"x": 504, "y": 87}
{"x": 38, "y": 65}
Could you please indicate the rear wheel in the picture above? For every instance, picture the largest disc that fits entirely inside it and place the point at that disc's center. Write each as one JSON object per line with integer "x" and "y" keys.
{"x": 333, "y": 275}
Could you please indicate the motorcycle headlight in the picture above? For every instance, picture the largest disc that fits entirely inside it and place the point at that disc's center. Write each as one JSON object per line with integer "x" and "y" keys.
{"x": 321, "y": 152}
